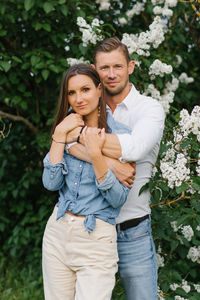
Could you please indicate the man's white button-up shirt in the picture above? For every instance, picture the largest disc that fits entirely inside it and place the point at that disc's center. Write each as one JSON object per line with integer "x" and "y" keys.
{"x": 145, "y": 116}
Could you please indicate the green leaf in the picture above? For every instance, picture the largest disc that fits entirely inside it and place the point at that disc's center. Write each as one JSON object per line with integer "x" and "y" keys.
{"x": 47, "y": 27}
{"x": 180, "y": 189}
{"x": 45, "y": 74}
{"x": 83, "y": 49}
{"x": 5, "y": 65}
{"x": 61, "y": 1}
{"x": 34, "y": 60}
{"x": 144, "y": 188}
{"x": 48, "y": 7}
{"x": 64, "y": 10}
{"x": 28, "y": 4}
{"x": 17, "y": 59}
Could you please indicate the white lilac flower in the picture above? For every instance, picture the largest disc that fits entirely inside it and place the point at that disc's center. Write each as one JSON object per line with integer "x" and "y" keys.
{"x": 160, "y": 260}
{"x": 197, "y": 287}
{"x": 198, "y": 228}
{"x": 174, "y": 226}
{"x": 159, "y": 68}
{"x": 89, "y": 35}
{"x": 176, "y": 172}
{"x": 73, "y": 61}
{"x": 164, "y": 10}
{"x": 179, "y": 60}
{"x": 187, "y": 232}
{"x": 194, "y": 254}
{"x": 104, "y": 4}
{"x": 185, "y": 79}
{"x": 122, "y": 21}
{"x": 136, "y": 10}
{"x": 174, "y": 286}
{"x": 67, "y": 48}
{"x": 152, "y": 37}
{"x": 179, "y": 298}
{"x": 185, "y": 286}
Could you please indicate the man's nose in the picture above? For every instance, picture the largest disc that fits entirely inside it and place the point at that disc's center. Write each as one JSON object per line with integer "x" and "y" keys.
{"x": 111, "y": 73}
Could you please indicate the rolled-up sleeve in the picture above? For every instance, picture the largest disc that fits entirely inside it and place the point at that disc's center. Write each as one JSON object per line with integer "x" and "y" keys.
{"x": 146, "y": 134}
{"x": 53, "y": 175}
{"x": 112, "y": 190}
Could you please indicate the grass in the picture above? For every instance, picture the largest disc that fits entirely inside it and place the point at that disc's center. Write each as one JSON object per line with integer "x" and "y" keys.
{"x": 20, "y": 282}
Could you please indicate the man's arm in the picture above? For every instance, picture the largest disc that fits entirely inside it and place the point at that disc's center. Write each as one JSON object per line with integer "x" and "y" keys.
{"x": 111, "y": 148}
{"x": 124, "y": 172}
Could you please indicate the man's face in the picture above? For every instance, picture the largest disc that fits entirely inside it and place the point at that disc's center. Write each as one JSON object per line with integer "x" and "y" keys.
{"x": 114, "y": 71}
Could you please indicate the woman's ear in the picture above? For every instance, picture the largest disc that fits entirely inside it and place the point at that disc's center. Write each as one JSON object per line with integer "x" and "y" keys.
{"x": 99, "y": 89}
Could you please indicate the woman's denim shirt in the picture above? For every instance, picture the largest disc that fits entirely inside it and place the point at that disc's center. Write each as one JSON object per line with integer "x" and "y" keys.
{"x": 79, "y": 191}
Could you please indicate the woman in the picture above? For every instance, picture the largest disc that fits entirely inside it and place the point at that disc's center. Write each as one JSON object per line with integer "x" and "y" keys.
{"x": 79, "y": 244}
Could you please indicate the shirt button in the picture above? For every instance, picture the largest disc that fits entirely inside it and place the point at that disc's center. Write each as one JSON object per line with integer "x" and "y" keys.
{"x": 80, "y": 166}
{"x": 51, "y": 176}
{"x": 75, "y": 183}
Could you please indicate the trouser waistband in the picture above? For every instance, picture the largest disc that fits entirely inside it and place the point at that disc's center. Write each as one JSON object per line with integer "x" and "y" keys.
{"x": 130, "y": 223}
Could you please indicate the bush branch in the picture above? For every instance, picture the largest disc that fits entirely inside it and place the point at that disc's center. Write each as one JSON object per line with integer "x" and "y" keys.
{"x": 19, "y": 118}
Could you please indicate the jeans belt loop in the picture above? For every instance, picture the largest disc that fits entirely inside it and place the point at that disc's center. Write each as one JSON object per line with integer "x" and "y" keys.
{"x": 130, "y": 223}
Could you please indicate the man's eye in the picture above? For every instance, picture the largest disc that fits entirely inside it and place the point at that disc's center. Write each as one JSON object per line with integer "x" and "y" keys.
{"x": 118, "y": 66}
{"x": 86, "y": 89}
{"x": 70, "y": 93}
{"x": 104, "y": 68}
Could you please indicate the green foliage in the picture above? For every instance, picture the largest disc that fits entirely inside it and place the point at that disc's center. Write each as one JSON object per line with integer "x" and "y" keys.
{"x": 33, "y": 37}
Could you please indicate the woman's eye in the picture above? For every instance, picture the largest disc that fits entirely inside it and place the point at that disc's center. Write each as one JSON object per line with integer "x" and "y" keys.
{"x": 70, "y": 93}
{"x": 86, "y": 89}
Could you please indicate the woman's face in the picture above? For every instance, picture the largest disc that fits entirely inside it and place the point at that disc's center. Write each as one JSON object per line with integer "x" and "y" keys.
{"x": 83, "y": 95}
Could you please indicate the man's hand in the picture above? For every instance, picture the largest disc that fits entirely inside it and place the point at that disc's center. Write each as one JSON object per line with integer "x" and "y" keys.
{"x": 125, "y": 172}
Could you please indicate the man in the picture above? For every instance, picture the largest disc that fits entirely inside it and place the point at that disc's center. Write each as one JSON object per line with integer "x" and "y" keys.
{"x": 145, "y": 116}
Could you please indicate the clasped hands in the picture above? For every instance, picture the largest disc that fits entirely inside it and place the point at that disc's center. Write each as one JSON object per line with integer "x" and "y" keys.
{"x": 93, "y": 139}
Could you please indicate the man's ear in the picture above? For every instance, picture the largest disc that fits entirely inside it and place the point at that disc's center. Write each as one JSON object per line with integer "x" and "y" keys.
{"x": 131, "y": 66}
{"x": 93, "y": 66}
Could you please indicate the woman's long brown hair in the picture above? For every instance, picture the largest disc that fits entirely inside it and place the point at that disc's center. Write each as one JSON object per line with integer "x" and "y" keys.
{"x": 63, "y": 103}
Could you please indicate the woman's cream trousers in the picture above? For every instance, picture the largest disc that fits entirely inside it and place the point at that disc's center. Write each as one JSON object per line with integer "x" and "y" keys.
{"x": 77, "y": 264}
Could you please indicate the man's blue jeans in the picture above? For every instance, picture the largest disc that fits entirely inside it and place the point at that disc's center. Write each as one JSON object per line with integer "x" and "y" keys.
{"x": 137, "y": 262}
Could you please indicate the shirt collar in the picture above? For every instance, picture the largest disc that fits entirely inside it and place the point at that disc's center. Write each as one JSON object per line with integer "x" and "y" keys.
{"x": 130, "y": 98}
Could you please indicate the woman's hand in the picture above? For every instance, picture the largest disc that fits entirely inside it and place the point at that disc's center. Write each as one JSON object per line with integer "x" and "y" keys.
{"x": 68, "y": 123}
{"x": 94, "y": 139}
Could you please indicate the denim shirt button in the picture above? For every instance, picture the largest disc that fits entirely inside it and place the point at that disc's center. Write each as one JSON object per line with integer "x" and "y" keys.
{"x": 51, "y": 176}
{"x": 75, "y": 183}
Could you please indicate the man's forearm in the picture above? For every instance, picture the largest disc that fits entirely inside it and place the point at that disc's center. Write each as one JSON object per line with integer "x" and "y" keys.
{"x": 112, "y": 146}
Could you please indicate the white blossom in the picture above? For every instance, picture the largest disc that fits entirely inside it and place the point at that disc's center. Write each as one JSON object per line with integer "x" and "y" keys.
{"x": 185, "y": 79}
{"x": 136, "y": 10}
{"x": 176, "y": 172}
{"x": 122, "y": 21}
{"x": 89, "y": 35}
{"x": 164, "y": 10}
{"x": 174, "y": 286}
{"x": 179, "y": 60}
{"x": 159, "y": 68}
{"x": 160, "y": 260}
{"x": 179, "y": 298}
{"x": 73, "y": 61}
{"x": 187, "y": 232}
{"x": 104, "y": 4}
{"x": 174, "y": 226}
{"x": 67, "y": 48}
{"x": 197, "y": 287}
{"x": 152, "y": 37}
{"x": 198, "y": 228}
{"x": 185, "y": 286}
{"x": 194, "y": 254}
